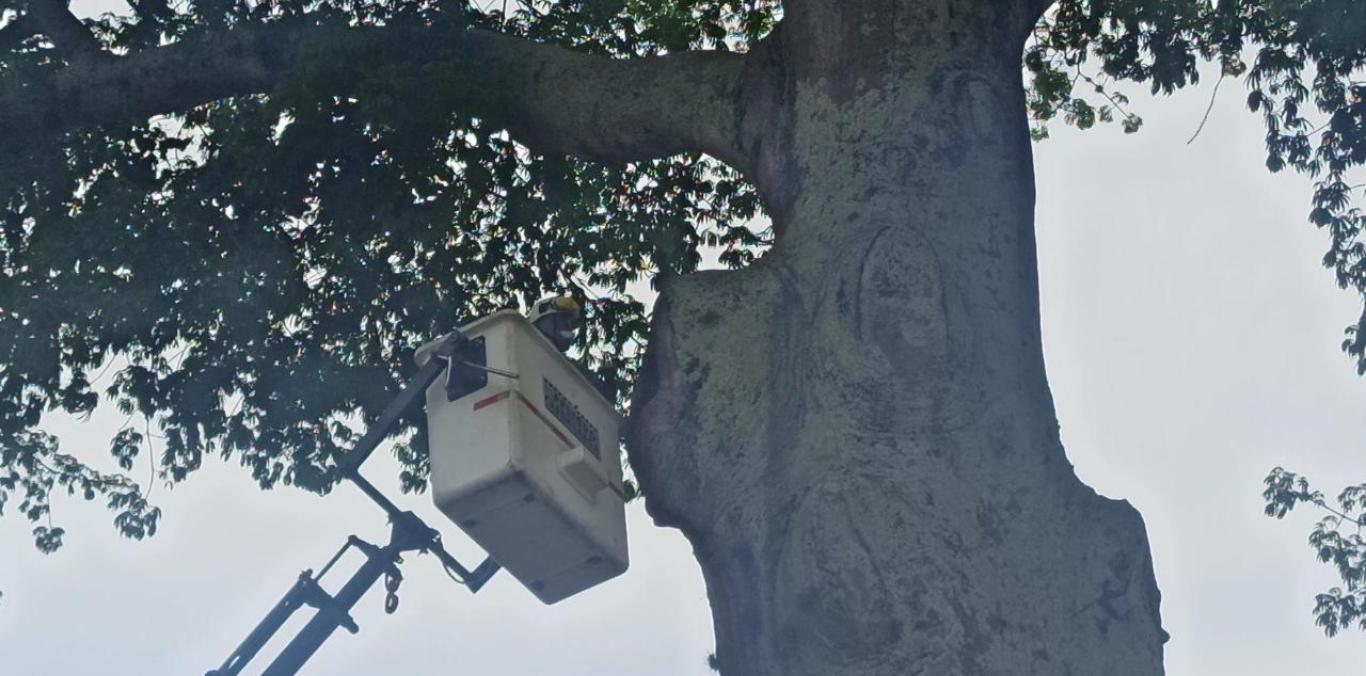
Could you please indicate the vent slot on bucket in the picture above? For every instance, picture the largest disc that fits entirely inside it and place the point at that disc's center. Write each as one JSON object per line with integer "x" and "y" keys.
{"x": 568, "y": 414}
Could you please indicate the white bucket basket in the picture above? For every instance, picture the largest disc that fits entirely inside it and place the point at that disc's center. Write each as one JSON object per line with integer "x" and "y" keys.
{"x": 529, "y": 466}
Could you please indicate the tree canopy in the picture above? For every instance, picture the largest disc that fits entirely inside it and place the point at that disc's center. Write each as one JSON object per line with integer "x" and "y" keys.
{"x": 234, "y": 221}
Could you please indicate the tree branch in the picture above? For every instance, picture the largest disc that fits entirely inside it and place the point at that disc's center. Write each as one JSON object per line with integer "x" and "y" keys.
{"x": 13, "y": 35}
{"x": 53, "y": 19}
{"x": 552, "y": 98}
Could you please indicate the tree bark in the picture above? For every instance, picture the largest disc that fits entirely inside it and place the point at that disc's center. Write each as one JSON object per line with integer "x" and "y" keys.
{"x": 856, "y": 433}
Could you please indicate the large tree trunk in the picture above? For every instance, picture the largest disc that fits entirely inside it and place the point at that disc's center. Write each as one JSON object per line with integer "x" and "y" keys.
{"x": 856, "y": 433}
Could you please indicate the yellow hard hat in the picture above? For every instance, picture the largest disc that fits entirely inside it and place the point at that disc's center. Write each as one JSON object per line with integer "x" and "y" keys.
{"x": 565, "y": 304}
{"x": 557, "y": 317}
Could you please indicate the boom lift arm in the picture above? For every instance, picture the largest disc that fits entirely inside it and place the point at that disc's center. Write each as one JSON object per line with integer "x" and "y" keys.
{"x": 461, "y": 361}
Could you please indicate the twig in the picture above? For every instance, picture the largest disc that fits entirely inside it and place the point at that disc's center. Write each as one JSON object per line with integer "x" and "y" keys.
{"x": 151, "y": 461}
{"x": 1208, "y": 109}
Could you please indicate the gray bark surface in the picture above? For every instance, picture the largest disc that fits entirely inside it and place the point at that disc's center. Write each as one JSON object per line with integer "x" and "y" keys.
{"x": 856, "y": 433}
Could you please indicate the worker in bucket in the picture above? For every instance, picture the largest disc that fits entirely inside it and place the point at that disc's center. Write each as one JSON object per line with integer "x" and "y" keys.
{"x": 557, "y": 318}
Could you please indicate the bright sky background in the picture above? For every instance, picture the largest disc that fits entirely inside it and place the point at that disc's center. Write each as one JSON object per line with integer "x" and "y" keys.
{"x": 1192, "y": 344}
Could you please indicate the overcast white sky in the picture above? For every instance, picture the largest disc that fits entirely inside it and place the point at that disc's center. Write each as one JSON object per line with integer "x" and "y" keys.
{"x": 1192, "y": 344}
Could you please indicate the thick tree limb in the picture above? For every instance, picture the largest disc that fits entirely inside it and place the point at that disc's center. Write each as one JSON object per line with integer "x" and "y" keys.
{"x": 554, "y": 99}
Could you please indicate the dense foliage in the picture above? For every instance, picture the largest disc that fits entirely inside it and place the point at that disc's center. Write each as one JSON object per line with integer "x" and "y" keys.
{"x": 244, "y": 278}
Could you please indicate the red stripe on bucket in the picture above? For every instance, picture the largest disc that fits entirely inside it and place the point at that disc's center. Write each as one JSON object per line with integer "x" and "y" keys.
{"x": 489, "y": 401}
